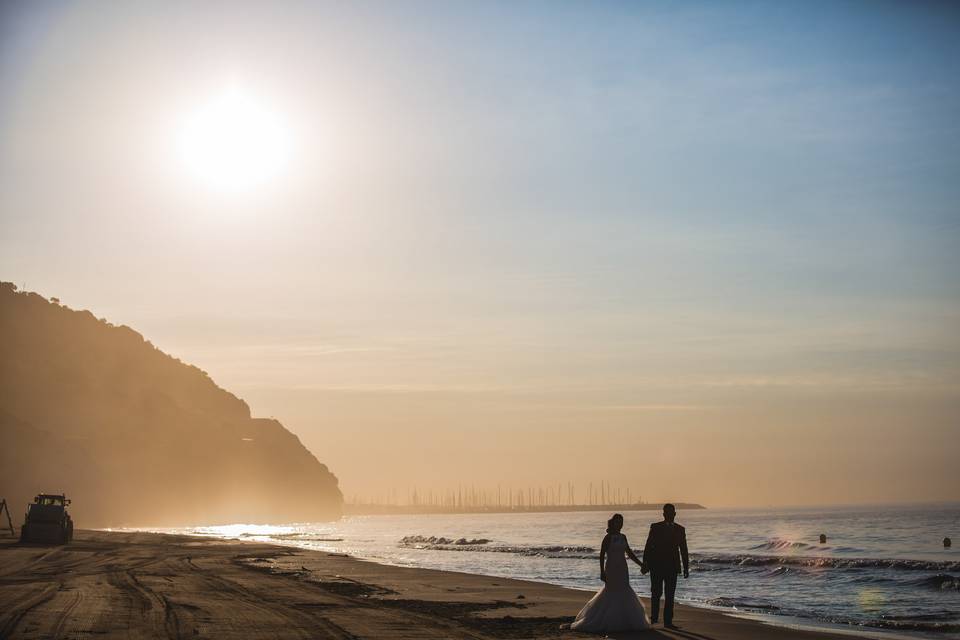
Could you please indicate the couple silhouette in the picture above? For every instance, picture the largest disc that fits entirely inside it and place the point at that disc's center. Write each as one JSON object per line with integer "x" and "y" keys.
{"x": 616, "y": 607}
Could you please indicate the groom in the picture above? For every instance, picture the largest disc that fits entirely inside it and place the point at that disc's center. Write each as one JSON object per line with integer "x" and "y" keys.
{"x": 662, "y": 555}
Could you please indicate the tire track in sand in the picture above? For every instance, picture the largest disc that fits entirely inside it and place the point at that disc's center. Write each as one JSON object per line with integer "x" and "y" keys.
{"x": 24, "y": 605}
{"x": 155, "y": 608}
{"x": 61, "y": 620}
{"x": 306, "y": 624}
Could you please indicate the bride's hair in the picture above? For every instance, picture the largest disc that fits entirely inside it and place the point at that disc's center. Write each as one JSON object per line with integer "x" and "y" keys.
{"x": 610, "y": 527}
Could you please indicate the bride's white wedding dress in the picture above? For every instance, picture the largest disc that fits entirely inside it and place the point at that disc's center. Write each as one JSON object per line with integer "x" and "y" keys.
{"x": 616, "y": 606}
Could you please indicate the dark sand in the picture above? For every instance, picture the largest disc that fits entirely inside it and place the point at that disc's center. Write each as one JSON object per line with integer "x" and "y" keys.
{"x": 141, "y": 585}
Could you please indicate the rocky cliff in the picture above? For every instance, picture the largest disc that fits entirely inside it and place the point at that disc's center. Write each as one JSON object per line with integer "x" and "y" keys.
{"x": 134, "y": 436}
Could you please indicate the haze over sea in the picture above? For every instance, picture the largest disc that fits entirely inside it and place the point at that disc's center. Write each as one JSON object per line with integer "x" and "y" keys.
{"x": 883, "y": 568}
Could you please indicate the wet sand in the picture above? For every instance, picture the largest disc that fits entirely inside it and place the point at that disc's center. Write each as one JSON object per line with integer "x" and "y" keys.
{"x": 143, "y": 585}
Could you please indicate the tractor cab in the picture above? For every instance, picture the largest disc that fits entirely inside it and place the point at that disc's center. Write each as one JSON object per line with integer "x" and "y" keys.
{"x": 51, "y": 500}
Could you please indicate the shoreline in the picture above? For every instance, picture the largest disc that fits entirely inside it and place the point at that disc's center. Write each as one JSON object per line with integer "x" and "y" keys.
{"x": 767, "y": 619}
{"x": 146, "y": 585}
{"x": 802, "y": 624}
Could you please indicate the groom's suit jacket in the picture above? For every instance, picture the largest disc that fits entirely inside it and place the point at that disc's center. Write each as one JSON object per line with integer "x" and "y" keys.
{"x": 666, "y": 548}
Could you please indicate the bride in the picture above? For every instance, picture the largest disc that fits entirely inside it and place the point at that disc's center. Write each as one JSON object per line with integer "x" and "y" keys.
{"x": 615, "y": 607}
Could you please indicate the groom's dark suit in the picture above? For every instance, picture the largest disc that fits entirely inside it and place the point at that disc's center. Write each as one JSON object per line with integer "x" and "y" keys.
{"x": 663, "y": 554}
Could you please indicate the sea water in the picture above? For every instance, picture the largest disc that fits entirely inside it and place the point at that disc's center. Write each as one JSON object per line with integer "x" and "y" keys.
{"x": 882, "y": 568}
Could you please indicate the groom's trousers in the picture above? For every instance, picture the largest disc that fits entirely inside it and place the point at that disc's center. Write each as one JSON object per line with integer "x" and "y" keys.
{"x": 662, "y": 584}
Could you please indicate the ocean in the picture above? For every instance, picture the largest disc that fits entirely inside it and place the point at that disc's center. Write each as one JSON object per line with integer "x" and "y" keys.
{"x": 882, "y": 569}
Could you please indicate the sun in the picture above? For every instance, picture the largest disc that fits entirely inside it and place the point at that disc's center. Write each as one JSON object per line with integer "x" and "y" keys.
{"x": 234, "y": 143}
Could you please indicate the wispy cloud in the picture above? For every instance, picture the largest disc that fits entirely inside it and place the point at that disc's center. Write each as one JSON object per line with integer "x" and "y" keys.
{"x": 648, "y": 407}
{"x": 294, "y": 350}
{"x": 399, "y": 388}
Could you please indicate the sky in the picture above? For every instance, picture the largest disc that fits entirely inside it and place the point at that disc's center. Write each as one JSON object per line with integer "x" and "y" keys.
{"x": 710, "y": 252}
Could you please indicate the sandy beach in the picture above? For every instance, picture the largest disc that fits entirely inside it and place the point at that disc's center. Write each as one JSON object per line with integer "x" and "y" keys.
{"x": 142, "y": 585}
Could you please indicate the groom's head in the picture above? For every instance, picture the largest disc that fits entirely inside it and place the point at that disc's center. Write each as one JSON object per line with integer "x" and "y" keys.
{"x": 669, "y": 512}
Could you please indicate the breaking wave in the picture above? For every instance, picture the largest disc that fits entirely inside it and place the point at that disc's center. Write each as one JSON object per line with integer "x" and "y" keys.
{"x": 745, "y": 604}
{"x": 298, "y": 537}
{"x": 815, "y": 562}
{"x": 940, "y": 582}
{"x": 780, "y": 544}
{"x": 928, "y": 627}
{"x": 776, "y": 565}
{"x": 439, "y": 543}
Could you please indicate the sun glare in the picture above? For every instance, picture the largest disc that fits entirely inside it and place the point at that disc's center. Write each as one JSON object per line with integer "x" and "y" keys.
{"x": 234, "y": 143}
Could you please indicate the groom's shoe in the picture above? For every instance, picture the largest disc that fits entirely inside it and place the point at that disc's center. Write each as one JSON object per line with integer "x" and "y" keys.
{"x": 670, "y": 625}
